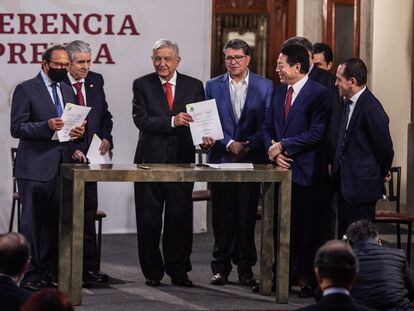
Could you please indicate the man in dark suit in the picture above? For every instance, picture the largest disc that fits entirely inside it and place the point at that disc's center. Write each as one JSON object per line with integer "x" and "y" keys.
{"x": 242, "y": 99}
{"x": 164, "y": 137}
{"x": 88, "y": 88}
{"x": 324, "y": 192}
{"x": 294, "y": 128}
{"x": 35, "y": 115}
{"x": 336, "y": 268}
{"x": 14, "y": 261}
{"x": 364, "y": 149}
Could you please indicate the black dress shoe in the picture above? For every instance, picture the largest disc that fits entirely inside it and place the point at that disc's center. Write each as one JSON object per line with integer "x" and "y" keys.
{"x": 219, "y": 279}
{"x": 306, "y": 291}
{"x": 153, "y": 283}
{"x": 256, "y": 288}
{"x": 33, "y": 286}
{"x": 247, "y": 279}
{"x": 184, "y": 282}
{"x": 95, "y": 277}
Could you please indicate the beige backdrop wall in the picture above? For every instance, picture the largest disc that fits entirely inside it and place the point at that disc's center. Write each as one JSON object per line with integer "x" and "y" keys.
{"x": 185, "y": 21}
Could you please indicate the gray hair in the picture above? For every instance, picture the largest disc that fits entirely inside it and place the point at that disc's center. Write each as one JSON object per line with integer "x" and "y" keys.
{"x": 77, "y": 46}
{"x": 163, "y": 43}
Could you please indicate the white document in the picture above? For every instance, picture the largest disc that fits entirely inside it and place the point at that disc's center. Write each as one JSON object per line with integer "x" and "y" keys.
{"x": 72, "y": 116}
{"x": 232, "y": 166}
{"x": 206, "y": 121}
{"x": 94, "y": 155}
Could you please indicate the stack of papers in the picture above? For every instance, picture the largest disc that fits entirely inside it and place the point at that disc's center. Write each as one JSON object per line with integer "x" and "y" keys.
{"x": 232, "y": 166}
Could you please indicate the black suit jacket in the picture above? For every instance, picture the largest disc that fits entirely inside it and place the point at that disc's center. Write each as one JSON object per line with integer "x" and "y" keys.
{"x": 367, "y": 151}
{"x": 99, "y": 120}
{"x": 337, "y": 302}
{"x": 11, "y": 295}
{"x": 158, "y": 142}
{"x": 38, "y": 157}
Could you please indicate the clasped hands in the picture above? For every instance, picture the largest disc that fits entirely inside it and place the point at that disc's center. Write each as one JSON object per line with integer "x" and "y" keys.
{"x": 56, "y": 124}
{"x": 275, "y": 153}
{"x": 238, "y": 150}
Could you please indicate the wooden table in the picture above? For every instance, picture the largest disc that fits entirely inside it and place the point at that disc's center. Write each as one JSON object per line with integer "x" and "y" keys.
{"x": 72, "y": 214}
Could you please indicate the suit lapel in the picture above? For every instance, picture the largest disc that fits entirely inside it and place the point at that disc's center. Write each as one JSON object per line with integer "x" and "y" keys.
{"x": 178, "y": 96}
{"x": 297, "y": 104}
{"x": 251, "y": 94}
{"x": 225, "y": 91}
{"x": 44, "y": 93}
{"x": 354, "y": 117}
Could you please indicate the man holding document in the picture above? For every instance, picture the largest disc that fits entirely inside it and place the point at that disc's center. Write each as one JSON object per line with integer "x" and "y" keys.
{"x": 87, "y": 87}
{"x": 242, "y": 99}
{"x": 36, "y": 112}
{"x": 159, "y": 106}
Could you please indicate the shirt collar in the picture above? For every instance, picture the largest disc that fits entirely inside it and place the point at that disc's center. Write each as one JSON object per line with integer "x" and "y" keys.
{"x": 47, "y": 80}
{"x": 335, "y": 290}
{"x": 72, "y": 80}
{"x": 354, "y": 98}
{"x": 245, "y": 80}
{"x": 172, "y": 81}
{"x": 299, "y": 85}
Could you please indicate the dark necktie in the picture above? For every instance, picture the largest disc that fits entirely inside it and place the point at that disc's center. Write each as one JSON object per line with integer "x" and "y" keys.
{"x": 341, "y": 135}
{"x": 169, "y": 95}
{"x": 79, "y": 95}
{"x": 288, "y": 101}
{"x": 56, "y": 99}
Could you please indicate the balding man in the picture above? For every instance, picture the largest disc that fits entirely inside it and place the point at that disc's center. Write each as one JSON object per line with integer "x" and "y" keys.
{"x": 14, "y": 261}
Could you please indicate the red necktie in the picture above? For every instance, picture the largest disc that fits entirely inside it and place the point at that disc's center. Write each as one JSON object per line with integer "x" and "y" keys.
{"x": 288, "y": 101}
{"x": 169, "y": 95}
{"x": 79, "y": 95}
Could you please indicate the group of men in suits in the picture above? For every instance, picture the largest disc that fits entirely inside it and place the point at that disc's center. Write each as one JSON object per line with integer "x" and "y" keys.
{"x": 36, "y": 112}
{"x": 297, "y": 126}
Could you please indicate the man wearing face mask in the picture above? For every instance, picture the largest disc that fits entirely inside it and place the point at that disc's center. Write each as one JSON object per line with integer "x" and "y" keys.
{"x": 36, "y": 109}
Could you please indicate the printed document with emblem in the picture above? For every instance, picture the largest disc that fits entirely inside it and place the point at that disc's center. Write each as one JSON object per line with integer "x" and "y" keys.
{"x": 206, "y": 121}
{"x": 72, "y": 116}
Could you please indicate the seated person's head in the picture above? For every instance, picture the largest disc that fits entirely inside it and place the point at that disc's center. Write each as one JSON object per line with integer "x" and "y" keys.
{"x": 48, "y": 300}
{"x": 361, "y": 230}
{"x": 335, "y": 265}
{"x": 14, "y": 255}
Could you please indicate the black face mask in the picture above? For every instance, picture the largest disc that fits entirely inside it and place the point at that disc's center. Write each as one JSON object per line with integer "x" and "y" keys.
{"x": 57, "y": 75}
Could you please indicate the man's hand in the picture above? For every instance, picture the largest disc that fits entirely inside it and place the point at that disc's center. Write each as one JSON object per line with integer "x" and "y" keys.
{"x": 388, "y": 177}
{"x": 182, "y": 119}
{"x": 283, "y": 161}
{"x": 274, "y": 150}
{"x": 79, "y": 156}
{"x": 238, "y": 150}
{"x": 104, "y": 147}
{"x": 78, "y": 131}
{"x": 208, "y": 142}
{"x": 55, "y": 124}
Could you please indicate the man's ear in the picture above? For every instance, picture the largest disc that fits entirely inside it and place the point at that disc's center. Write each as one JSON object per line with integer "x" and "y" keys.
{"x": 316, "y": 270}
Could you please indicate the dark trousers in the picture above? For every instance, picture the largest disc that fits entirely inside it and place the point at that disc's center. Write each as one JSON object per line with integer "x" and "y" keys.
{"x": 177, "y": 232}
{"x": 306, "y": 221}
{"x": 350, "y": 212}
{"x": 40, "y": 224}
{"x": 90, "y": 251}
{"x": 234, "y": 208}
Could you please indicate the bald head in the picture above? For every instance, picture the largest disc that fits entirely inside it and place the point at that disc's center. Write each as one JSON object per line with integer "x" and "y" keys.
{"x": 336, "y": 264}
{"x": 14, "y": 254}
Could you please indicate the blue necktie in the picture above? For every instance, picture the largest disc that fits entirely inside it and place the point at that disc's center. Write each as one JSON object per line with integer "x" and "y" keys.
{"x": 56, "y": 99}
{"x": 341, "y": 135}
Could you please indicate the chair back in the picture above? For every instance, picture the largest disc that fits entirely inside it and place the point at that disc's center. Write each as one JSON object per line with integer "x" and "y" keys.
{"x": 393, "y": 187}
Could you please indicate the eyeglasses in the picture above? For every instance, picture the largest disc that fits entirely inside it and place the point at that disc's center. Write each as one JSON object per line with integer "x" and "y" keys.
{"x": 237, "y": 58}
{"x": 60, "y": 65}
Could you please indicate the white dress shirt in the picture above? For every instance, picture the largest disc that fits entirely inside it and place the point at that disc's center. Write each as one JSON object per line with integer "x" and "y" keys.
{"x": 354, "y": 100}
{"x": 173, "y": 82}
{"x": 83, "y": 90}
{"x": 297, "y": 87}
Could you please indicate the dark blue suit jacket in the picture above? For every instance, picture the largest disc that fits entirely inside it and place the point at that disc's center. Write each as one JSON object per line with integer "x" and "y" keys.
{"x": 304, "y": 129}
{"x": 38, "y": 157}
{"x": 99, "y": 120}
{"x": 249, "y": 125}
{"x": 12, "y": 297}
{"x": 367, "y": 153}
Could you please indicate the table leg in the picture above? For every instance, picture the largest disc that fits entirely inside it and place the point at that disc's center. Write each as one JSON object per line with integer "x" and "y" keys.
{"x": 71, "y": 239}
{"x": 267, "y": 242}
{"x": 283, "y": 245}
